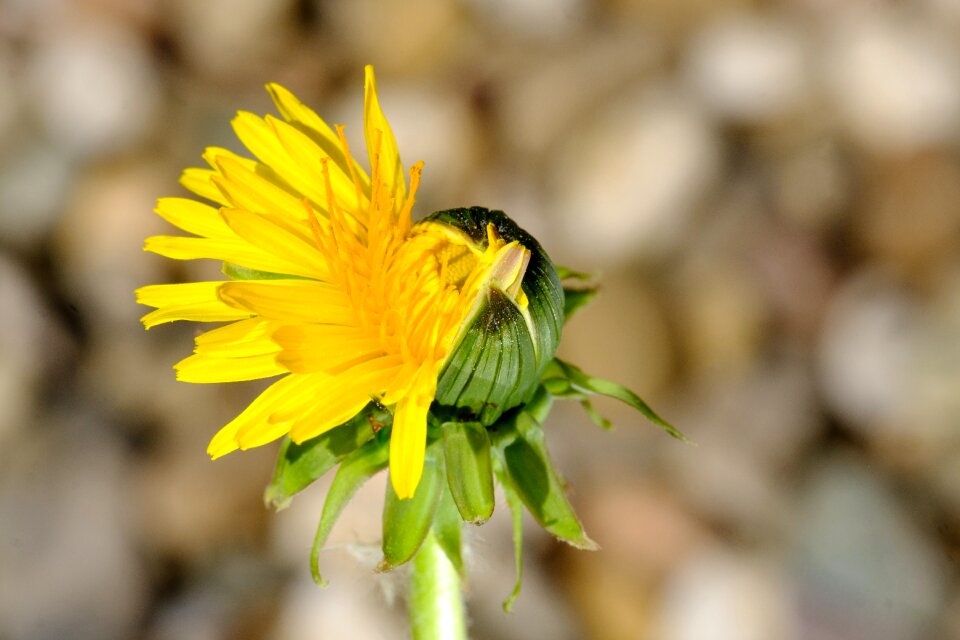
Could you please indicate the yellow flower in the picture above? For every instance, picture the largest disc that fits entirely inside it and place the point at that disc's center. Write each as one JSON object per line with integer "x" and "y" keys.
{"x": 334, "y": 287}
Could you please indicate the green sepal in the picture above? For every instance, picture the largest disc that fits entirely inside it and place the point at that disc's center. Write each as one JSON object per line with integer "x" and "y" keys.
{"x": 516, "y": 516}
{"x": 565, "y": 380}
{"x": 466, "y": 451}
{"x": 298, "y": 465}
{"x": 354, "y": 470}
{"x": 407, "y": 522}
{"x": 446, "y": 529}
{"x": 531, "y": 473}
{"x": 576, "y": 299}
{"x": 236, "y": 272}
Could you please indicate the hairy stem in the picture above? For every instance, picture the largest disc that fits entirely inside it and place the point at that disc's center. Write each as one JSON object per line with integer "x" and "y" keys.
{"x": 435, "y": 601}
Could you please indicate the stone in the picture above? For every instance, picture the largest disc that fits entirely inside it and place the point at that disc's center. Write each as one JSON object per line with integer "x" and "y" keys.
{"x": 631, "y": 179}
{"x": 71, "y": 565}
{"x": 893, "y": 80}
{"x": 256, "y": 33}
{"x": 749, "y": 68}
{"x": 106, "y": 97}
{"x": 863, "y": 568}
{"x": 35, "y": 179}
{"x": 865, "y": 353}
{"x": 723, "y": 594}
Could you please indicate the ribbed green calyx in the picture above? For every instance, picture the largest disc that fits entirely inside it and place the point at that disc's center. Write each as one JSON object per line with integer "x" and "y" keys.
{"x": 500, "y": 356}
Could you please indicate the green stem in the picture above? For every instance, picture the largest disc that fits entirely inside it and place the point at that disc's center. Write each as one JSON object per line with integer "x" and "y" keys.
{"x": 435, "y": 600}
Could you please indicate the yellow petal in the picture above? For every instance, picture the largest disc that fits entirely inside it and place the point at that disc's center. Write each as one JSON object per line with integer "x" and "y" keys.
{"x": 408, "y": 440}
{"x": 290, "y": 300}
{"x": 197, "y": 301}
{"x": 315, "y": 347}
{"x": 287, "y": 392}
{"x": 235, "y": 251}
{"x": 245, "y": 189}
{"x": 343, "y": 404}
{"x": 376, "y": 127}
{"x": 307, "y": 121}
{"x": 261, "y": 139}
{"x": 341, "y": 398}
{"x": 308, "y": 157}
{"x": 212, "y": 154}
{"x": 249, "y": 337}
{"x": 280, "y": 238}
{"x": 193, "y": 217}
{"x": 198, "y": 181}
{"x": 201, "y": 368}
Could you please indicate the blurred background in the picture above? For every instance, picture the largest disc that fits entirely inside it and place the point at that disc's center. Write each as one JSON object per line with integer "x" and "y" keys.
{"x": 770, "y": 190}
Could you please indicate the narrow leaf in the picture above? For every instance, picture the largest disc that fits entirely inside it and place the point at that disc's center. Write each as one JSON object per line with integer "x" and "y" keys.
{"x": 541, "y": 488}
{"x": 569, "y": 274}
{"x": 355, "y": 469}
{"x": 590, "y": 384}
{"x": 598, "y": 419}
{"x": 516, "y": 514}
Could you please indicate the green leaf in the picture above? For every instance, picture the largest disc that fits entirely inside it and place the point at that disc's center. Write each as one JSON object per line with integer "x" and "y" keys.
{"x": 298, "y": 465}
{"x": 569, "y": 274}
{"x": 583, "y": 385}
{"x": 236, "y": 272}
{"x": 355, "y": 469}
{"x": 466, "y": 449}
{"x": 407, "y": 522}
{"x": 534, "y": 478}
{"x": 446, "y": 529}
{"x": 598, "y": 419}
{"x": 516, "y": 514}
{"x": 576, "y": 299}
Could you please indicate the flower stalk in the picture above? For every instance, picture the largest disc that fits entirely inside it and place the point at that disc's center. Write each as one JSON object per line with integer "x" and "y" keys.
{"x": 435, "y": 600}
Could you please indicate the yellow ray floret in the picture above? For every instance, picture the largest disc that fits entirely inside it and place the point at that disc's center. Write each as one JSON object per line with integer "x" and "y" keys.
{"x": 348, "y": 303}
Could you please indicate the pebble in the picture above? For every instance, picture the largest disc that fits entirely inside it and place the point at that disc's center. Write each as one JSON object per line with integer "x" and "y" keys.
{"x": 67, "y": 536}
{"x": 257, "y": 34}
{"x": 106, "y": 96}
{"x": 10, "y": 101}
{"x": 533, "y": 19}
{"x": 723, "y": 594}
{"x": 417, "y": 36}
{"x": 749, "y": 69}
{"x": 32, "y": 345}
{"x": 865, "y": 354}
{"x": 893, "y": 81}
{"x": 34, "y": 185}
{"x": 863, "y": 567}
{"x": 920, "y": 244}
{"x": 630, "y": 181}
{"x": 99, "y": 242}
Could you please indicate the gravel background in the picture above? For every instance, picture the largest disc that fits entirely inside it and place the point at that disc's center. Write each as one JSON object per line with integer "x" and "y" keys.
{"x": 771, "y": 191}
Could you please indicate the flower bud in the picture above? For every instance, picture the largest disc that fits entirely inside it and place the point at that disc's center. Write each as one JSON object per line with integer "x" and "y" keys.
{"x": 513, "y": 329}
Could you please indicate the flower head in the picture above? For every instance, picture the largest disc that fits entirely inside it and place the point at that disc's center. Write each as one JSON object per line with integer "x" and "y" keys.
{"x": 426, "y": 346}
{"x": 334, "y": 287}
